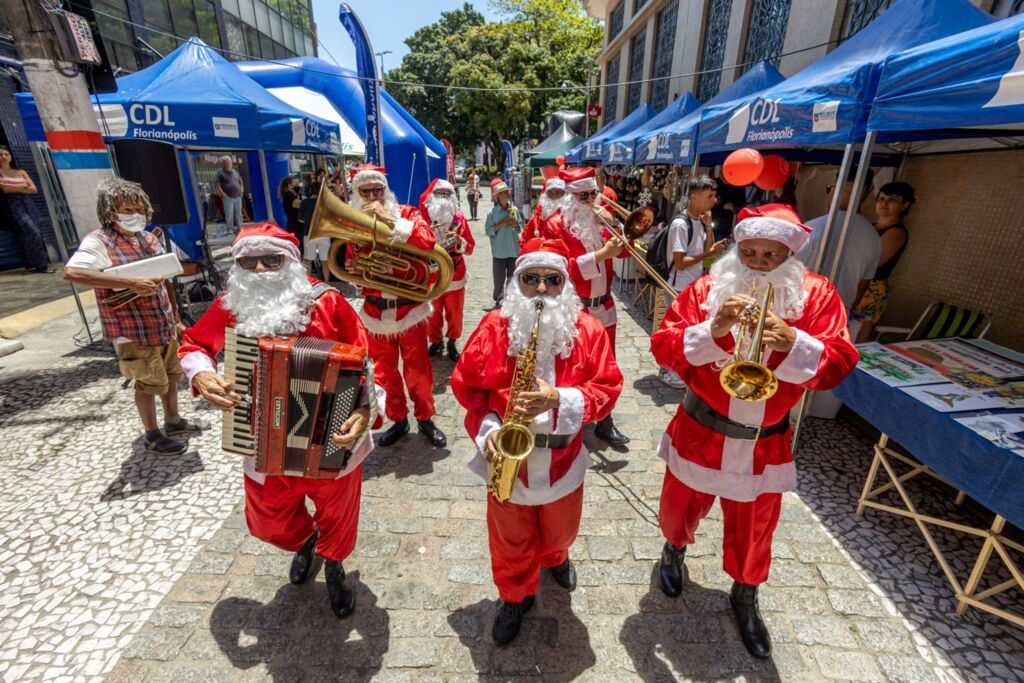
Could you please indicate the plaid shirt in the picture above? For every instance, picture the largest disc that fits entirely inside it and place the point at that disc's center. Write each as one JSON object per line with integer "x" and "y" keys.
{"x": 148, "y": 320}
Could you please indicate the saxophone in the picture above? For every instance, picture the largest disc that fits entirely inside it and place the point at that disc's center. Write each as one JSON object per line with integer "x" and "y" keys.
{"x": 514, "y": 441}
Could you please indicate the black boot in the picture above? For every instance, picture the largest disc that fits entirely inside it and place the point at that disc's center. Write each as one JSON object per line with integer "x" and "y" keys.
{"x": 607, "y": 432}
{"x": 435, "y": 349}
{"x": 394, "y": 433}
{"x": 508, "y": 620}
{"x": 565, "y": 575}
{"x": 434, "y": 435}
{"x": 670, "y": 570}
{"x": 343, "y": 599}
{"x": 752, "y": 629}
{"x": 303, "y": 560}
{"x": 453, "y": 353}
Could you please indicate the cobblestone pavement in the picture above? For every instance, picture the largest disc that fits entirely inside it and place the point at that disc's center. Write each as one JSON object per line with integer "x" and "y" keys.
{"x": 121, "y": 566}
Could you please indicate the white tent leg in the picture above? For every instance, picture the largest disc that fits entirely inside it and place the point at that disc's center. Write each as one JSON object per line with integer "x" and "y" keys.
{"x": 266, "y": 187}
{"x": 833, "y": 211}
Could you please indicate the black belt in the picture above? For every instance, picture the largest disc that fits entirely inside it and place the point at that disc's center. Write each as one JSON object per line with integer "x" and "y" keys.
{"x": 596, "y": 301}
{"x": 552, "y": 441}
{"x": 705, "y": 415}
{"x": 388, "y": 304}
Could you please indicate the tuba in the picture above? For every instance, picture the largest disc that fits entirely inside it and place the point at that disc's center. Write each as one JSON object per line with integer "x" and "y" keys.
{"x": 750, "y": 379}
{"x": 399, "y": 269}
{"x": 514, "y": 441}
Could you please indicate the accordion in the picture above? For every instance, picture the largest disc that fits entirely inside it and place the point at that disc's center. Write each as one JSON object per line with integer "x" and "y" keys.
{"x": 296, "y": 393}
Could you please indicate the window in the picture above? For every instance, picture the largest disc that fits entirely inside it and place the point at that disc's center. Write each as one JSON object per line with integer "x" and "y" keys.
{"x": 183, "y": 15}
{"x": 664, "y": 43}
{"x": 266, "y": 46}
{"x": 230, "y": 6}
{"x": 767, "y": 31}
{"x": 275, "y": 27}
{"x": 636, "y": 69}
{"x": 206, "y": 14}
{"x": 716, "y": 30}
{"x": 860, "y": 13}
{"x": 246, "y": 12}
{"x": 235, "y": 36}
{"x": 252, "y": 41}
{"x": 637, "y": 6}
{"x": 117, "y": 35}
{"x": 615, "y": 20}
{"x": 262, "y": 17}
{"x": 157, "y": 14}
{"x": 611, "y": 93}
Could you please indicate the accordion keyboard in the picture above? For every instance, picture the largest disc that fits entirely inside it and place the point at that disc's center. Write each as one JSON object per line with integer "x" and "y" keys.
{"x": 240, "y": 356}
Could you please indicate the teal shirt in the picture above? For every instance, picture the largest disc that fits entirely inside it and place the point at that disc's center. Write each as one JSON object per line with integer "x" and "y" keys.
{"x": 504, "y": 242}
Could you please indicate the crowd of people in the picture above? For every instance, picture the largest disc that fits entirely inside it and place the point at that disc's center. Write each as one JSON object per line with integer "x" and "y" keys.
{"x": 554, "y": 311}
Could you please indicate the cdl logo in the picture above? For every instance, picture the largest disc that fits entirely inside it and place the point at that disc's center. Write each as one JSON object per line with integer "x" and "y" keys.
{"x": 312, "y": 129}
{"x": 150, "y": 115}
{"x": 764, "y": 111}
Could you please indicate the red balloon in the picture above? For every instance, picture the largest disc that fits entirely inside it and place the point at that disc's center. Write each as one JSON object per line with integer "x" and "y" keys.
{"x": 774, "y": 173}
{"x": 742, "y": 167}
{"x": 560, "y": 160}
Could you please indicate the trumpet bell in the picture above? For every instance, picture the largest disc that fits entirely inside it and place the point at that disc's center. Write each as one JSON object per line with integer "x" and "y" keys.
{"x": 748, "y": 381}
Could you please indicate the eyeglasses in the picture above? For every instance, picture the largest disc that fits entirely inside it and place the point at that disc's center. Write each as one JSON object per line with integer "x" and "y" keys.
{"x": 534, "y": 280}
{"x": 371, "y": 191}
{"x": 269, "y": 261}
{"x": 583, "y": 196}
{"x": 442, "y": 193}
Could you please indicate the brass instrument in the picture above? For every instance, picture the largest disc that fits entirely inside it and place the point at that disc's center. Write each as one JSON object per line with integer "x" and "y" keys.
{"x": 514, "y": 441}
{"x": 750, "y": 379}
{"x": 398, "y": 269}
{"x": 635, "y": 224}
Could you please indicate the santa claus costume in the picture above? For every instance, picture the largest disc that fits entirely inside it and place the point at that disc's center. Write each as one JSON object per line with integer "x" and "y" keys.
{"x": 739, "y": 451}
{"x": 398, "y": 326}
{"x": 285, "y": 302}
{"x": 440, "y": 208}
{"x": 580, "y": 382}
{"x": 546, "y": 221}
{"x": 585, "y": 236}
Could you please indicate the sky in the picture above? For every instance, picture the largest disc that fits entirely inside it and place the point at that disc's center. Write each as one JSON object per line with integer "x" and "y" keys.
{"x": 387, "y": 22}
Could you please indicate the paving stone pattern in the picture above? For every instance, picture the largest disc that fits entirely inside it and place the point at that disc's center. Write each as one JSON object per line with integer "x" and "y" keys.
{"x": 142, "y": 570}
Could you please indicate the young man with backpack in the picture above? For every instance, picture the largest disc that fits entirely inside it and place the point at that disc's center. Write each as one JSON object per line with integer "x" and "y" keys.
{"x": 689, "y": 239}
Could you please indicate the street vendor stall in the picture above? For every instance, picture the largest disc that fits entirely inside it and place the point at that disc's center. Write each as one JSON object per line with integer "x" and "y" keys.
{"x": 620, "y": 147}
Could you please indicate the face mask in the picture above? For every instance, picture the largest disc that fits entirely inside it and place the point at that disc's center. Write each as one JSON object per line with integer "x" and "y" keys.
{"x": 132, "y": 222}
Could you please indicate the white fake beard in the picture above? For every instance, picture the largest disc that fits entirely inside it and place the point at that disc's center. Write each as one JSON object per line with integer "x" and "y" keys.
{"x": 548, "y": 206}
{"x": 389, "y": 200}
{"x": 557, "y": 331}
{"x": 441, "y": 210}
{"x": 583, "y": 223}
{"x": 272, "y": 303}
{"x": 729, "y": 276}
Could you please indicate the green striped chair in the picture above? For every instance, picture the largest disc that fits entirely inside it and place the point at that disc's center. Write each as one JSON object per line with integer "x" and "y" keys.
{"x": 940, "y": 320}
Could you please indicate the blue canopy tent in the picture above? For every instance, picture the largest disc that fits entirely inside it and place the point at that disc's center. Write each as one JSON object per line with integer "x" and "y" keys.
{"x": 593, "y": 147}
{"x": 412, "y": 156}
{"x": 575, "y": 155}
{"x": 619, "y": 149}
{"x": 672, "y": 143}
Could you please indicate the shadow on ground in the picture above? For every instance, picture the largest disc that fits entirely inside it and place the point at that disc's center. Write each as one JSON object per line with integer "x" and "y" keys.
{"x": 143, "y": 472}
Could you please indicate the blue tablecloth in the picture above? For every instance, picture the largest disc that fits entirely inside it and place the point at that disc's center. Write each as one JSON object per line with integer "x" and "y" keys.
{"x": 991, "y": 475}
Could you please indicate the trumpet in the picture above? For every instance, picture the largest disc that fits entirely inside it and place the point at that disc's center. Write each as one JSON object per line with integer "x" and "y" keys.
{"x": 634, "y": 224}
{"x": 749, "y": 379}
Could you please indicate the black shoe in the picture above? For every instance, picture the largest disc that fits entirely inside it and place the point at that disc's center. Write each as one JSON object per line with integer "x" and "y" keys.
{"x": 508, "y": 620}
{"x": 435, "y": 349}
{"x": 182, "y": 428}
{"x": 565, "y": 575}
{"x": 607, "y": 432}
{"x": 343, "y": 599}
{"x": 303, "y": 560}
{"x": 752, "y": 629}
{"x": 393, "y": 433}
{"x": 165, "y": 445}
{"x": 670, "y": 570}
{"x": 434, "y": 435}
{"x": 453, "y": 353}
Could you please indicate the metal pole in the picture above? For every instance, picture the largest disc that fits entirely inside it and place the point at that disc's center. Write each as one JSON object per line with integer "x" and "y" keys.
{"x": 696, "y": 165}
{"x": 833, "y": 210}
{"x": 81, "y": 312}
{"x": 858, "y": 186}
{"x": 266, "y": 185}
{"x": 586, "y": 117}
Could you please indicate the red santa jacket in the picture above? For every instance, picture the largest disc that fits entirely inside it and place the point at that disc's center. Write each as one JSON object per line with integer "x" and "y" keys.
{"x": 740, "y": 469}
{"x": 411, "y": 229}
{"x": 588, "y": 381}
{"x": 590, "y": 277}
{"x": 548, "y": 229}
{"x": 330, "y": 318}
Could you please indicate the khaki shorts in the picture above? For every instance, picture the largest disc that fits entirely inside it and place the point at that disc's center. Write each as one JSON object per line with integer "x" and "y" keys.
{"x": 153, "y": 368}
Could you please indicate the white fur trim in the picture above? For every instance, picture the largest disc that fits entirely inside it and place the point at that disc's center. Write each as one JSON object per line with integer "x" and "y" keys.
{"x": 741, "y": 487}
{"x": 442, "y": 184}
{"x": 801, "y": 363}
{"x": 402, "y": 231}
{"x": 366, "y": 177}
{"x": 555, "y": 184}
{"x": 491, "y": 423}
{"x": 456, "y": 285}
{"x": 768, "y": 228}
{"x": 542, "y": 259}
{"x": 196, "y": 362}
{"x": 607, "y": 316}
{"x": 262, "y": 246}
{"x": 699, "y": 345}
{"x": 521, "y": 495}
{"x": 570, "y": 411}
{"x": 249, "y": 468}
{"x": 589, "y": 267}
{"x": 582, "y": 185}
{"x": 392, "y": 328}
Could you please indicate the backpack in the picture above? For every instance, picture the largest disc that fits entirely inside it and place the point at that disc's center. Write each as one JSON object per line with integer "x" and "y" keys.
{"x": 657, "y": 251}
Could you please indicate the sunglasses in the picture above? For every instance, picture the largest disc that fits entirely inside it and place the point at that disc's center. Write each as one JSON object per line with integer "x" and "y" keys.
{"x": 534, "y": 280}
{"x": 269, "y": 261}
{"x": 442, "y": 193}
{"x": 371, "y": 191}
{"x": 586, "y": 195}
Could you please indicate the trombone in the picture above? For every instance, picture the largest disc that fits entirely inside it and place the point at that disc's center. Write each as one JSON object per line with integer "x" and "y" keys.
{"x": 634, "y": 224}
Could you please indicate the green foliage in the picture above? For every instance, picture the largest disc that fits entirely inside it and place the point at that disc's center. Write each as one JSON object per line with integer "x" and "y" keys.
{"x": 540, "y": 43}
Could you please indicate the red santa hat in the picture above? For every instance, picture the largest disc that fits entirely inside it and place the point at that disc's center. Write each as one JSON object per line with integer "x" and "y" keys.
{"x": 265, "y": 239}
{"x": 364, "y": 174}
{"x": 580, "y": 179}
{"x": 543, "y": 253}
{"x": 776, "y": 222}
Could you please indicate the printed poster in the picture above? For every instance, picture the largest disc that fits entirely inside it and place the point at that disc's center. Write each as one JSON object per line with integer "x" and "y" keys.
{"x": 952, "y": 398}
{"x": 960, "y": 362}
{"x": 1005, "y": 430}
{"x": 894, "y": 369}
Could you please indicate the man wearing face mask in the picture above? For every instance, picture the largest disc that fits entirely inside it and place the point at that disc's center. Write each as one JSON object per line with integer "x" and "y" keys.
{"x": 144, "y": 331}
